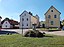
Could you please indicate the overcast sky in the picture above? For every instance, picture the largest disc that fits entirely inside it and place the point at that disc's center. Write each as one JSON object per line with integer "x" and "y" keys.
{"x": 13, "y": 8}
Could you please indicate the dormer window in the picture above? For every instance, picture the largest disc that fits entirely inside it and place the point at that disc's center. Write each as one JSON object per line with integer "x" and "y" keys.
{"x": 51, "y": 10}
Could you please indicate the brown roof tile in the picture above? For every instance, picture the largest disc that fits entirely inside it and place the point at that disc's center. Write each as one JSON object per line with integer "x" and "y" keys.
{"x": 12, "y": 22}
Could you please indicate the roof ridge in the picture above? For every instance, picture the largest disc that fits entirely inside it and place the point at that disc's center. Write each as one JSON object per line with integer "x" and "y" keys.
{"x": 28, "y": 13}
{"x": 50, "y": 8}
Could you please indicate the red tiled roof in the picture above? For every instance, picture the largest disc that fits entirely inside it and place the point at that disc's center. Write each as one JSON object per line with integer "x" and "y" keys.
{"x": 12, "y": 22}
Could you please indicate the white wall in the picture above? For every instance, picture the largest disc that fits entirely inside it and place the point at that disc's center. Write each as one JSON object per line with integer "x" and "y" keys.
{"x": 0, "y": 21}
{"x": 6, "y": 23}
{"x": 25, "y": 22}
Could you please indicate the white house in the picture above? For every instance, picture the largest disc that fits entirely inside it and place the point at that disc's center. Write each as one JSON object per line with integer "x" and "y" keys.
{"x": 26, "y": 20}
{"x": 9, "y": 23}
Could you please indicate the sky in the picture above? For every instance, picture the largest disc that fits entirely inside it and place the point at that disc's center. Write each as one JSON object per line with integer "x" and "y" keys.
{"x": 13, "y": 8}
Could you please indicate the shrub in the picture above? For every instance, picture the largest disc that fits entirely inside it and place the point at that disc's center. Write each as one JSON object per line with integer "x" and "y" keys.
{"x": 39, "y": 34}
{"x": 34, "y": 33}
{"x": 30, "y": 34}
{"x": 7, "y": 33}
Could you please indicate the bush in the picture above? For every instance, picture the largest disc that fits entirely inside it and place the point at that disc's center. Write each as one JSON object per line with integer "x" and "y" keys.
{"x": 39, "y": 34}
{"x": 30, "y": 34}
{"x": 7, "y": 33}
{"x": 34, "y": 33}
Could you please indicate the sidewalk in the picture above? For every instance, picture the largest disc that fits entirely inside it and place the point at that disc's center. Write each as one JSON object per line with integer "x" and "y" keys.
{"x": 60, "y": 33}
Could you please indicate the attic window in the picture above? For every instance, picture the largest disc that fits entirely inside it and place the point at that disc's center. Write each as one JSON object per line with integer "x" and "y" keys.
{"x": 25, "y": 14}
{"x": 51, "y": 10}
{"x": 6, "y": 22}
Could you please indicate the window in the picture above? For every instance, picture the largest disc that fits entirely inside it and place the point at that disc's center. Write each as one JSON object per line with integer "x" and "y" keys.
{"x": 55, "y": 16}
{"x": 22, "y": 24}
{"x": 49, "y": 16}
{"x": 27, "y": 19}
{"x": 22, "y": 19}
{"x": 6, "y": 22}
{"x": 51, "y": 10}
{"x": 27, "y": 24}
{"x": 25, "y": 14}
{"x": 52, "y": 22}
{"x": 6, "y": 25}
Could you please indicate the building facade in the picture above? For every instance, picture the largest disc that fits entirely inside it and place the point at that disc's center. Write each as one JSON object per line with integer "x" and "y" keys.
{"x": 42, "y": 24}
{"x": 52, "y": 18}
{"x": 6, "y": 24}
{"x": 26, "y": 20}
{"x": 9, "y": 23}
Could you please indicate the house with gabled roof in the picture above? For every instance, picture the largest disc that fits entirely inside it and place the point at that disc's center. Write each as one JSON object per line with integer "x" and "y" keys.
{"x": 9, "y": 23}
{"x": 52, "y": 18}
{"x": 27, "y": 20}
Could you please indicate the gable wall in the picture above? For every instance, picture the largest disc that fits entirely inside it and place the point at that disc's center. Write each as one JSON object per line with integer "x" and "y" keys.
{"x": 6, "y": 24}
{"x": 56, "y": 20}
{"x": 25, "y": 22}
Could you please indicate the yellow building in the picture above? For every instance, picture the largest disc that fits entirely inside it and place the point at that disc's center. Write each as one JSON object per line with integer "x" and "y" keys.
{"x": 35, "y": 20}
{"x": 52, "y": 18}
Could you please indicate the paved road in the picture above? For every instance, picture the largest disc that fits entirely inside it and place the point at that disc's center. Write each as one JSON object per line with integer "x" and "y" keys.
{"x": 16, "y": 30}
{"x": 61, "y": 33}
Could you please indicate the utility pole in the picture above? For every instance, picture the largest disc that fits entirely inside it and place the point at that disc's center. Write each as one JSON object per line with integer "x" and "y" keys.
{"x": 22, "y": 26}
{"x": 48, "y": 24}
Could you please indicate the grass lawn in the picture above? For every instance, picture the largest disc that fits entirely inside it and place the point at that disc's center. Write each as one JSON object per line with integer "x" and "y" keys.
{"x": 48, "y": 29}
{"x": 17, "y": 40}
